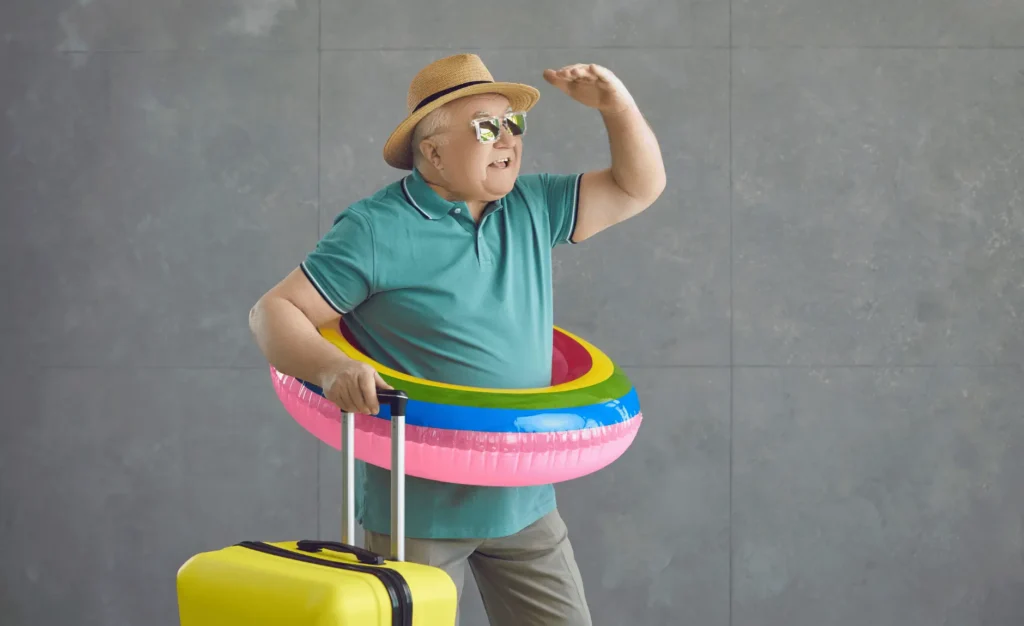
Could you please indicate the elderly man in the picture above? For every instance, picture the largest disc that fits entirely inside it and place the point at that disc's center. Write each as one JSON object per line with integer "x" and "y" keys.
{"x": 446, "y": 275}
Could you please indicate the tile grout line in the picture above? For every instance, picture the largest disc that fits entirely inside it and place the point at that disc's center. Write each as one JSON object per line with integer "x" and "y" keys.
{"x": 764, "y": 47}
{"x": 732, "y": 325}
{"x": 117, "y": 367}
{"x": 319, "y": 110}
{"x": 319, "y": 209}
{"x": 728, "y": 46}
{"x": 814, "y": 366}
{"x": 635, "y": 366}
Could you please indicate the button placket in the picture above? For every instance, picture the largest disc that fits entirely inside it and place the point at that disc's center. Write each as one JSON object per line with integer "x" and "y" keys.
{"x": 463, "y": 219}
{"x": 483, "y": 251}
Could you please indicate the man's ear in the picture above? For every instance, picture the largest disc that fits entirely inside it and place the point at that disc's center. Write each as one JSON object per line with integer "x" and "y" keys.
{"x": 429, "y": 149}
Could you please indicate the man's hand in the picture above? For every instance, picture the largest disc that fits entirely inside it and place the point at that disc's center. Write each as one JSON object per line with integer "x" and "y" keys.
{"x": 593, "y": 86}
{"x": 353, "y": 385}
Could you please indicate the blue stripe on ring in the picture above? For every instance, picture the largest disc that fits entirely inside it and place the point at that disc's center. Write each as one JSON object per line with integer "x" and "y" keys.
{"x": 449, "y": 417}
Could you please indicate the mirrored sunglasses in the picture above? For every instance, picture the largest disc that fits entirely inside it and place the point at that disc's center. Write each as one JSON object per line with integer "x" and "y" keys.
{"x": 488, "y": 129}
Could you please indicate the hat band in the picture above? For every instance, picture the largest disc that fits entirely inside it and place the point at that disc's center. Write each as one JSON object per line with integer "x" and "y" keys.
{"x": 444, "y": 92}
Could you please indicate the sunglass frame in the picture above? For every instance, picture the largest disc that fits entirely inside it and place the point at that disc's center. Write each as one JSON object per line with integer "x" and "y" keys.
{"x": 502, "y": 123}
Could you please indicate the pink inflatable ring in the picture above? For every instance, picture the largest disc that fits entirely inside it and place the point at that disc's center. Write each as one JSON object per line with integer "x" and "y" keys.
{"x": 580, "y": 424}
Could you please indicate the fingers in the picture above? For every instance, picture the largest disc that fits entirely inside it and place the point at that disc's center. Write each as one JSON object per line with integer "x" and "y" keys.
{"x": 354, "y": 390}
{"x": 586, "y": 72}
{"x": 381, "y": 383}
{"x": 603, "y": 74}
{"x": 368, "y": 391}
{"x": 577, "y": 71}
{"x": 339, "y": 394}
{"x": 555, "y": 77}
{"x": 563, "y": 74}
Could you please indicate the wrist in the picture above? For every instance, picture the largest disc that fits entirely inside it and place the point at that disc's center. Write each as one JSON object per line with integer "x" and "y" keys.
{"x": 620, "y": 110}
{"x": 331, "y": 367}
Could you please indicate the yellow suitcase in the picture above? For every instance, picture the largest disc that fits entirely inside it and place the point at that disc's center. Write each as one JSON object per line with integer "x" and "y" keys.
{"x": 322, "y": 583}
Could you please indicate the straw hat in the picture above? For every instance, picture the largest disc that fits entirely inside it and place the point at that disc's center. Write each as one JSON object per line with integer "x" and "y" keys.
{"x": 441, "y": 82}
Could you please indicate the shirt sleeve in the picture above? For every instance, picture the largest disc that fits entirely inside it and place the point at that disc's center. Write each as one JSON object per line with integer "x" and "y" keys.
{"x": 560, "y": 194}
{"x": 341, "y": 266}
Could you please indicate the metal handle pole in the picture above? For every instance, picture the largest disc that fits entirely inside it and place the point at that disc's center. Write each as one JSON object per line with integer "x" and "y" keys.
{"x": 397, "y": 401}
{"x": 348, "y": 492}
{"x": 398, "y": 487}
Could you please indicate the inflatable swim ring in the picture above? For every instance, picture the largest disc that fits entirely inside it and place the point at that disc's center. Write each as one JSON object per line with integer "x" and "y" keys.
{"x": 581, "y": 423}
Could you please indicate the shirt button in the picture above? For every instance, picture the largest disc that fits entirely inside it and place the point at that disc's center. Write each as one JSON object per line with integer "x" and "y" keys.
{"x": 458, "y": 210}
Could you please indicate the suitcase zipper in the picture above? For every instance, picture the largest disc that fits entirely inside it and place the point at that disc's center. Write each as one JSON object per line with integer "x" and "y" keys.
{"x": 397, "y": 587}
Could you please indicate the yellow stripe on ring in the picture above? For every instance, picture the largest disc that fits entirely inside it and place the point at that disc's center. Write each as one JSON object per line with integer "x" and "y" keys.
{"x": 601, "y": 367}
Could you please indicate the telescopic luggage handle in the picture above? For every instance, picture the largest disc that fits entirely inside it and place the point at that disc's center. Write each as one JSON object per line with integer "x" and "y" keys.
{"x": 397, "y": 400}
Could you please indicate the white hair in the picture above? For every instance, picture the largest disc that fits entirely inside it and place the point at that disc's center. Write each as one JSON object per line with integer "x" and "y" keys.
{"x": 435, "y": 121}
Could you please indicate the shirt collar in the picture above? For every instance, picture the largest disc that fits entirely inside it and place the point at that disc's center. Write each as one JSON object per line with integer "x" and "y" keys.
{"x": 427, "y": 201}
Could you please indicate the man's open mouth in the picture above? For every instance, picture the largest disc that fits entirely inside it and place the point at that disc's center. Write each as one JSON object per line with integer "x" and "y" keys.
{"x": 500, "y": 163}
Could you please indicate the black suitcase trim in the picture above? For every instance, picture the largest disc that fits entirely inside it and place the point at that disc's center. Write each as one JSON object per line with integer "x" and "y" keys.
{"x": 395, "y": 583}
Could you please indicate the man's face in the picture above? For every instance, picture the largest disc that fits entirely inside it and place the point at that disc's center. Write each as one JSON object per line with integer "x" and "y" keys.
{"x": 476, "y": 170}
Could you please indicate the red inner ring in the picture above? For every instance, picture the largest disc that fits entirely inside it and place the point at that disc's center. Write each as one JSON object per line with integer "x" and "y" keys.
{"x": 569, "y": 359}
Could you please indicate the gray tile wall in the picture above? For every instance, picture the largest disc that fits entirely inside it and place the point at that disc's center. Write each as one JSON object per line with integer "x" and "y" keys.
{"x": 824, "y": 314}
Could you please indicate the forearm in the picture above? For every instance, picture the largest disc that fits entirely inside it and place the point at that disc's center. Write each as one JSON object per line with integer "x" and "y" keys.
{"x": 637, "y": 165}
{"x": 291, "y": 342}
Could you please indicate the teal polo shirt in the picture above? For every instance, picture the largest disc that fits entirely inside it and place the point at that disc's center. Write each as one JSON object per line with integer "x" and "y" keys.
{"x": 429, "y": 292}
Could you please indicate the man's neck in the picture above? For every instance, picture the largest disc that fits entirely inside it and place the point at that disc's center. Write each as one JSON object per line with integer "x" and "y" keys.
{"x": 476, "y": 207}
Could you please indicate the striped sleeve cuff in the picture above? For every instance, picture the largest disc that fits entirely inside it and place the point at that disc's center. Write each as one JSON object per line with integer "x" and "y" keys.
{"x": 320, "y": 289}
{"x": 575, "y": 208}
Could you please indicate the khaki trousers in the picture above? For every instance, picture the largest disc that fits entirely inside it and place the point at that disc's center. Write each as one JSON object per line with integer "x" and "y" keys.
{"x": 527, "y": 579}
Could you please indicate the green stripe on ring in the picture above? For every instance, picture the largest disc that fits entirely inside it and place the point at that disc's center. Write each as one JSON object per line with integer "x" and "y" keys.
{"x": 612, "y": 388}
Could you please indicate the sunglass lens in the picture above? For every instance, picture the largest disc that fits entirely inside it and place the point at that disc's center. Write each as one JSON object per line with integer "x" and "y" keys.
{"x": 488, "y": 130}
{"x": 516, "y": 123}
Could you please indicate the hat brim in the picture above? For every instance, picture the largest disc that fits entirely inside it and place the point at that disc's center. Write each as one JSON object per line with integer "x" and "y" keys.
{"x": 398, "y": 149}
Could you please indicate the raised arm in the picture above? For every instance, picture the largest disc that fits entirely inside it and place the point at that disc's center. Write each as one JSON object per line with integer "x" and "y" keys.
{"x": 636, "y": 177}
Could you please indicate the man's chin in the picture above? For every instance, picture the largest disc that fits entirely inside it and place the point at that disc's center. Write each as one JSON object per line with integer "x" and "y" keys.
{"x": 500, "y": 187}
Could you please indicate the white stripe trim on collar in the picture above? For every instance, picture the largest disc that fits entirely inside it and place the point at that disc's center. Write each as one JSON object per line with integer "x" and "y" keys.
{"x": 405, "y": 188}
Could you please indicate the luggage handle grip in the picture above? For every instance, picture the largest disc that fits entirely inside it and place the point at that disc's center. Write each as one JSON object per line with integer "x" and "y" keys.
{"x": 394, "y": 398}
{"x": 397, "y": 400}
{"x": 364, "y": 556}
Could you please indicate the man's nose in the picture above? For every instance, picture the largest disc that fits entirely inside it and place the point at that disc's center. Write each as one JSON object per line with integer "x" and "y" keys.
{"x": 505, "y": 138}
